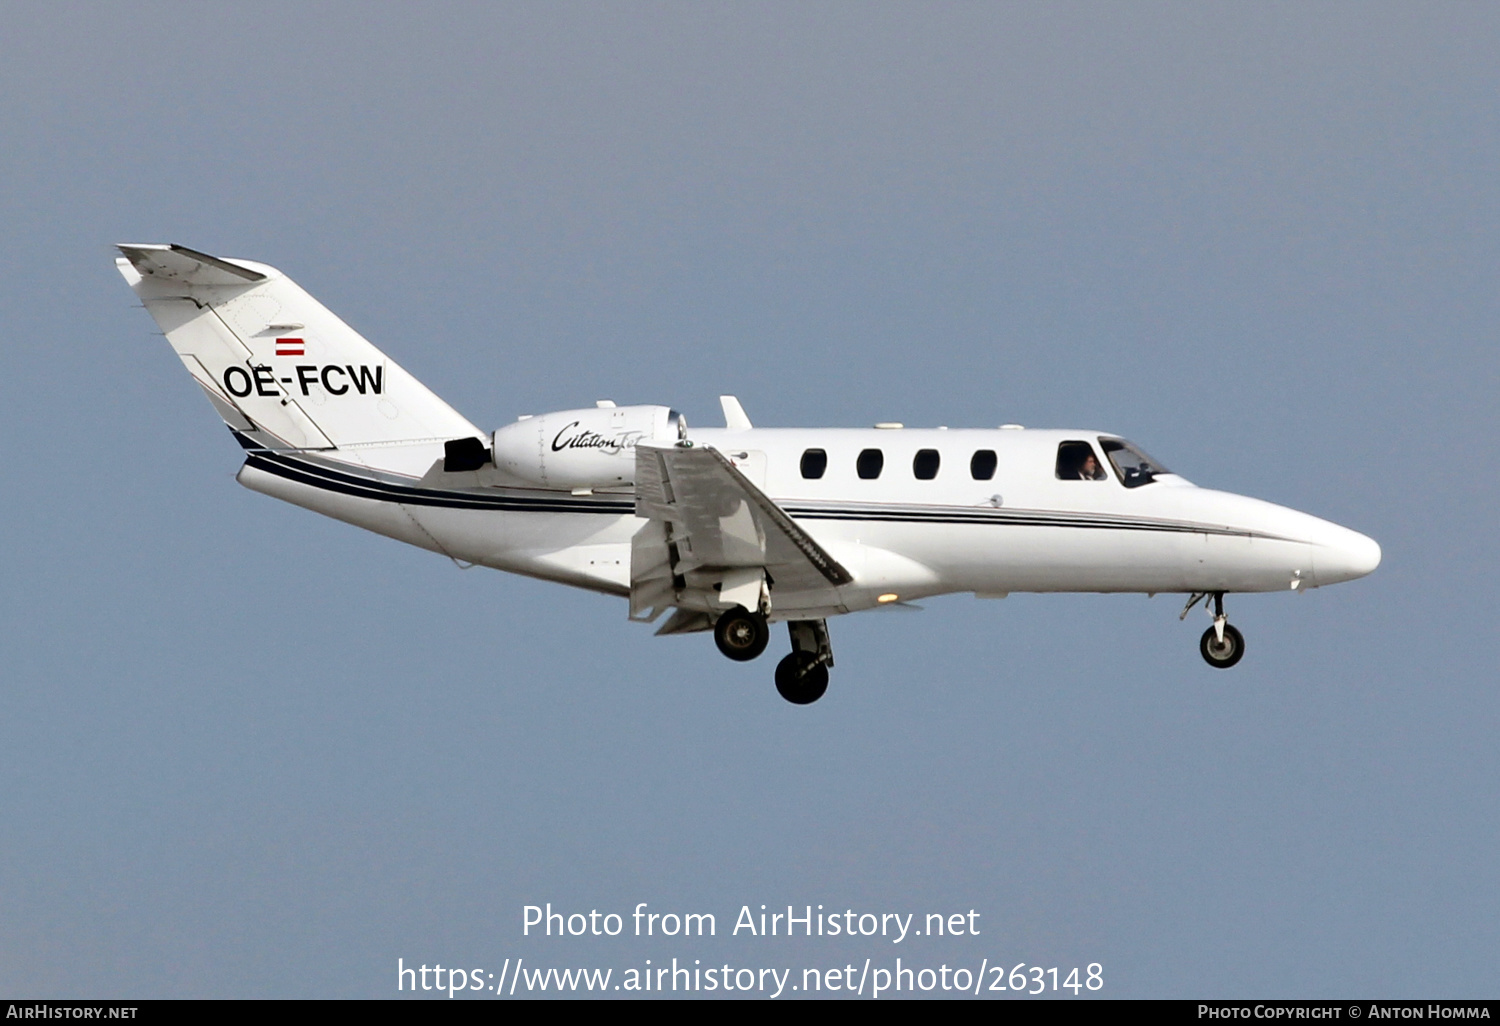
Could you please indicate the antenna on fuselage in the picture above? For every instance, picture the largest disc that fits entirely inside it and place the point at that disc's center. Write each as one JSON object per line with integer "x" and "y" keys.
{"x": 734, "y": 414}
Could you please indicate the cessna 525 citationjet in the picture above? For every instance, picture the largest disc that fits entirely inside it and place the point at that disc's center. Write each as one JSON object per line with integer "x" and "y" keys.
{"x": 730, "y": 528}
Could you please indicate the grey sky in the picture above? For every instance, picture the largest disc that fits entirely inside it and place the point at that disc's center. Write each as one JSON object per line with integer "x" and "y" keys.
{"x": 246, "y": 751}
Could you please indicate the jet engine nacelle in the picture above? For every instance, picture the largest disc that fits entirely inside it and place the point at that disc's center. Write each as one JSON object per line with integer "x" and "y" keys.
{"x": 592, "y": 448}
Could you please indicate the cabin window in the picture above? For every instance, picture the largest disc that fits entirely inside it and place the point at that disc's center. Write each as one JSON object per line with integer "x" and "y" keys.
{"x": 1134, "y": 467}
{"x": 982, "y": 466}
{"x": 814, "y": 462}
{"x": 869, "y": 464}
{"x": 1076, "y": 462}
{"x": 925, "y": 464}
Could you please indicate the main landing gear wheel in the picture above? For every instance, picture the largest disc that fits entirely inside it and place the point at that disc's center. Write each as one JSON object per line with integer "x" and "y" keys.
{"x": 801, "y": 678}
{"x": 741, "y": 634}
{"x": 1222, "y": 655}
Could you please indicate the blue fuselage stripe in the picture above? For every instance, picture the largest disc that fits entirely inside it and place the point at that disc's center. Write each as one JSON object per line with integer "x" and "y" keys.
{"x": 328, "y": 479}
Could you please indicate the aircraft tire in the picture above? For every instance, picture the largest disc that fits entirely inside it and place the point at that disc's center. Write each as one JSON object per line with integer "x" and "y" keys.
{"x": 741, "y": 634}
{"x": 801, "y": 679}
{"x": 1222, "y": 657}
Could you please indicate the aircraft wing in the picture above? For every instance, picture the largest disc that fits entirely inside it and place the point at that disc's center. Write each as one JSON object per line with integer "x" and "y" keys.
{"x": 712, "y": 532}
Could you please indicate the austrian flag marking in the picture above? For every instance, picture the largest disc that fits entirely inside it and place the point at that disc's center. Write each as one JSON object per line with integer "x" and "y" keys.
{"x": 289, "y": 347}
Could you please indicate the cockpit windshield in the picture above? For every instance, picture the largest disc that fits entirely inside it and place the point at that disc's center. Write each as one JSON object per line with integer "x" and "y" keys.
{"x": 1133, "y": 467}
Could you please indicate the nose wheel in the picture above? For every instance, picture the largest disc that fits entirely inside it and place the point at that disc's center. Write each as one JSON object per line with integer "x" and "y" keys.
{"x": 1224, "y": 652}
{"x": 1222, "y": 645}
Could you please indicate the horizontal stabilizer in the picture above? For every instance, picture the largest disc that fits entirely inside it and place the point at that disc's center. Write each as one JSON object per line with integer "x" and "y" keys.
{"x": 180, "y": 264}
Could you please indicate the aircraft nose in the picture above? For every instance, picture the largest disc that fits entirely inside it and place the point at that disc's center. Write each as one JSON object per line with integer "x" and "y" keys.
{"x": 1347, "y": 556}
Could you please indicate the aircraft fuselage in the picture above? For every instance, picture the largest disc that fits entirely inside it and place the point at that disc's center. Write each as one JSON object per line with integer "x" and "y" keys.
{"x": 1021, "y": 529}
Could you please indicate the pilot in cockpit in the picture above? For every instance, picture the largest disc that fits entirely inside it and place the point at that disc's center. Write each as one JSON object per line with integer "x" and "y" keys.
{"x": 1076, "y": 462}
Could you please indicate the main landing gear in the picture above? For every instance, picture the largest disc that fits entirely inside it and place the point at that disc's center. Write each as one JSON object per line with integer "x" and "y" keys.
{"x": 802, "y": 677}
{"x": 1222, "y": 645}
{"x": 741, "y": 634}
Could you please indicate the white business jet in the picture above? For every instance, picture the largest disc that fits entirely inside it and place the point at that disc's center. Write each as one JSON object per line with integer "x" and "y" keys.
{"x": 730, "y": 528}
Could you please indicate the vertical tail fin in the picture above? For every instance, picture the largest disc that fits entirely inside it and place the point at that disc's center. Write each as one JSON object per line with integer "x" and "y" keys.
{"x": 276, "y": 364}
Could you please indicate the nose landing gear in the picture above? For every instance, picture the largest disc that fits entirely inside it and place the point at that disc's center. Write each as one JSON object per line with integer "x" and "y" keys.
{"x": 1222, "y": 645}
{"x": 1222, "y": 652}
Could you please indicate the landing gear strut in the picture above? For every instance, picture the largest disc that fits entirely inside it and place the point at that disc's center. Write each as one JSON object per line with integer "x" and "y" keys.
{"x": 802, "y": 677}
{"x": 741, "y": 634}
{"x": 1221, "y": 645}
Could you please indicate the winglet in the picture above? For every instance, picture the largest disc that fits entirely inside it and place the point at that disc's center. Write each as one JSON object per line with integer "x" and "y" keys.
{"x": 178, "y": 263}
{"x": 734, "y": 414}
